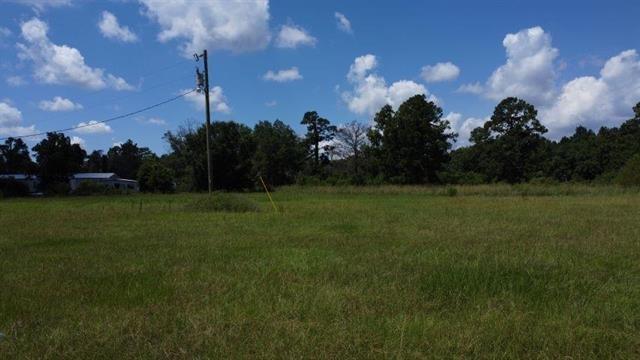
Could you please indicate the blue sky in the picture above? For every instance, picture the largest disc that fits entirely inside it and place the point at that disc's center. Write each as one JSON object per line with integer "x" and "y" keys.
{"x": 66, "y": 62}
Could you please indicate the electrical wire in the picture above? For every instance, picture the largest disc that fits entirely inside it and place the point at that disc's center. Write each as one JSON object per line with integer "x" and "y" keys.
{"x": 94, "y": 123}
{"x": 102, "y": 103}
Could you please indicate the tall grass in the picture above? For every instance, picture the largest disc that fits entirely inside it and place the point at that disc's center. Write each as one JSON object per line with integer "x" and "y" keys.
{"x": 474, "y": 190}
{"x": 385, "y": 272}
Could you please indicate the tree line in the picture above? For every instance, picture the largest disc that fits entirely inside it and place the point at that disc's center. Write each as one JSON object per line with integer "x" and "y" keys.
{"x": 410, "y": 145}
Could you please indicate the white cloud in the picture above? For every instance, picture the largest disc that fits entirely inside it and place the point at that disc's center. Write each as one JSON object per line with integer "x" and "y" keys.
{"x": 11, "y": 121}
{"x": 61, "y": 64}
{"x": 78, "y": 140}
{"x": 271, "y": 103}
{"x": 292, "y": 36}
{"x": 110, "y": 28}
{"x": 283, "y": 75}
{"x": 236, "y": 25}
{"x": 474, "y": 88}
{"x": 361, "y": 66}
{"x": 217, "y": 100}
{"x": 4, "y": 32}
{"x": 15, "y": 81}
{"x": 156, "y": 121}
{"x": 530, "y": 73}
{"x": 530, "y": 70}
{"x": 370, "y": 91}
{"x": 440, "y": 72}
{"x": 454, "y": 120}
{"x": 597, "y": 101}
{"x": 93, "y": 127}
{"x": 343, "y": 23}
{"x": 9, "y": 116}
{"x": 41, "y": 4}
{"x": 59, "y": 104}
{"x": 151, "y": 121}
{"x": 465, "y": 129}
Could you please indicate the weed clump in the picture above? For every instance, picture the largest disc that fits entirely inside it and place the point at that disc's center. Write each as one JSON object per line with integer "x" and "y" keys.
{"x": 451, "y": 191}
{"x": 223, "y": 202}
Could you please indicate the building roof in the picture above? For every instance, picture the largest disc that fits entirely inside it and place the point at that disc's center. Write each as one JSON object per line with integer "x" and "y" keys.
{"x": 16, "y": 176}
{"x": 104, "y": 176}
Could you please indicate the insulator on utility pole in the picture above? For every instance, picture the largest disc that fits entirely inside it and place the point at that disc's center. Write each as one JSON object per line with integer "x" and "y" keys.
{"x": 199, "y": 81}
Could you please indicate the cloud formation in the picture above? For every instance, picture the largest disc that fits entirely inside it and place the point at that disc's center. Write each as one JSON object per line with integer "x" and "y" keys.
{"x": 59, "y": 103}
{"x": 93, "y": 127}
{"x": 78, "y": 140}
{"x": 235, "y": 25}
{"x": 11, "y": 121}
{"x": 529, "y": 72}
{"x": 370, "y": 91}
{"x": 42, "y": 4}
{"x": 15, "y": 81}
{"x": 286, "y": 75}
{"x": 62, "y": 64}
{"x": 111, "y": 29}
{"x": 440, "y": 72}
{"x": 217, "y": 100}
{"x": 597, "y": 101}
{"x": 343, "y": 23}
{"x": 292, "y": 36}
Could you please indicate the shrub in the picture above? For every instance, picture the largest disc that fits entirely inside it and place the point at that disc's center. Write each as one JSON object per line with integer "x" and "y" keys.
{"x": 12, "y": 188}
{"x": 630, "y": 173}
{"x": 223, "y": 202}
{"x": 155, "y": 177}
{"x": 58, "y": 188}
{"x": 90, "y": 188}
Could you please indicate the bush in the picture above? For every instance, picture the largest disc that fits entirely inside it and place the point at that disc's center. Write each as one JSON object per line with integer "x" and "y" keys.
{"x": 630, "y": 173}
{"x": 58, "y": 188}
{"x": 12, "y": 188}
{"x": 155, "y": 177}
{"x": 541, "y": 180}
{"x": 86, "y": 188}
{"x": 461, "y": 178}
{"x": 223, "y": 202}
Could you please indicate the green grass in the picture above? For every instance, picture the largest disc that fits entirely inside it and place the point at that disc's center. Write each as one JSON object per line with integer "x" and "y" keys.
{"x": 388, "y": 272}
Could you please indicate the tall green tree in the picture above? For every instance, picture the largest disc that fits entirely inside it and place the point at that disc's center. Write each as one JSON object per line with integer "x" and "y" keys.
{"x": 618, "y": 145}
{"x": 576, "y": 157}
{"x": 97, "y": 162}
{"x": 511, "y": 142}
{"x": 153, "y": 176}
{"x": 319, "y": 130}
{"x": 15, "y": 158}
{"x": 126, "y": 159}
{"x": 58, "y": 158}
{"x": 412, "y": 142}
{"x": 232, "y": 148}
{"x": 279, "y": 153}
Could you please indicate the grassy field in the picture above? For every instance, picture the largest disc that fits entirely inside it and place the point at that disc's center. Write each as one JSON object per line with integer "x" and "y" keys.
{"x": 391, "y": 272}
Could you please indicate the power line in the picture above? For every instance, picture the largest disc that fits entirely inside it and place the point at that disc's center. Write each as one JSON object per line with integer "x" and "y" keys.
{"x": 106, "y": 120}
{"x": 156, "y": 86}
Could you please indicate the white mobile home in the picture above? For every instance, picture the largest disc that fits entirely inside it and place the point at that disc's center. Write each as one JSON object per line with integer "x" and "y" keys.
{"x": 110, "y": 180}
{"x": 31, "y": 182}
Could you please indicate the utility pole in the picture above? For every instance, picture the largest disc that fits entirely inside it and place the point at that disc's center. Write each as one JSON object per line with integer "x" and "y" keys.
{"x": 203, "y": 85}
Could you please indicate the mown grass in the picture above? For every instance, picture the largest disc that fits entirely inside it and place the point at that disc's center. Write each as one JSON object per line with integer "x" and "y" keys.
{"x": 388, "y": 272}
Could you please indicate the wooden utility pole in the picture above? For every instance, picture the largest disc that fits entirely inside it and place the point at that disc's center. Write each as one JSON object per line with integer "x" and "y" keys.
{"x": 204, "y": 85}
